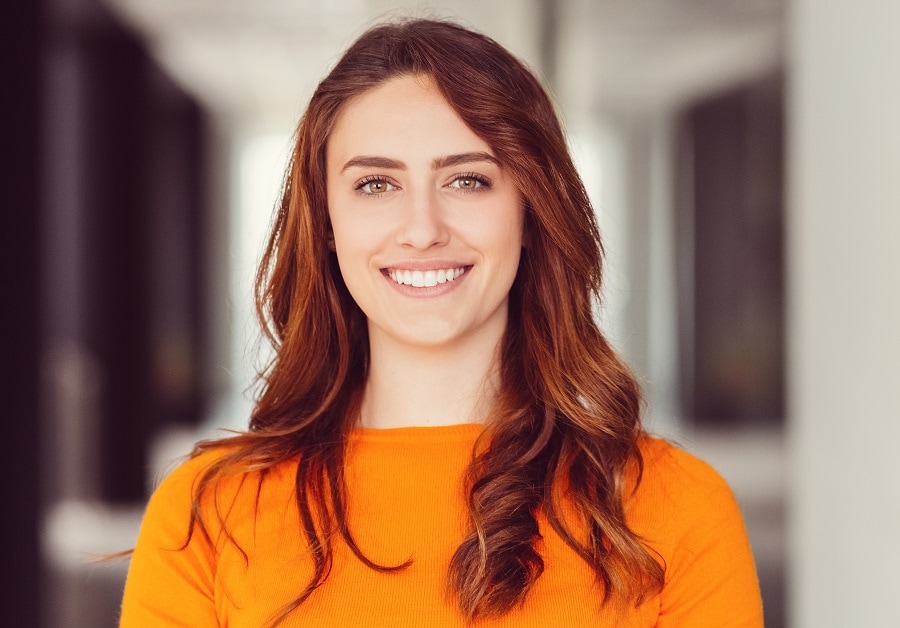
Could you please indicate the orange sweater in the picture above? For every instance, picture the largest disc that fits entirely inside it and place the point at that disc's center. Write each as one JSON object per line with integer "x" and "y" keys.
{"x": 406, "y": 496}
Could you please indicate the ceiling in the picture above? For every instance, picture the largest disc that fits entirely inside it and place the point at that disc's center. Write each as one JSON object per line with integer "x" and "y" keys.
{"x": 257, "y": 61}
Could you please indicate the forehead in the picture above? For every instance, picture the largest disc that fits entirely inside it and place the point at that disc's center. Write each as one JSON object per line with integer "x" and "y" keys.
{"x": 405, "y": 117}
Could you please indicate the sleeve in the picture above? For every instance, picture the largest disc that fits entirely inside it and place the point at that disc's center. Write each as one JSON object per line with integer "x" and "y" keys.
{"x": 711, "y": 578}
{"x": 168, "y": 583}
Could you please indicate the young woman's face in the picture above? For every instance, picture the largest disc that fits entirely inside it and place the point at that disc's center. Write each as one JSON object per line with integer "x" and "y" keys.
{"x": 427, "y": 224}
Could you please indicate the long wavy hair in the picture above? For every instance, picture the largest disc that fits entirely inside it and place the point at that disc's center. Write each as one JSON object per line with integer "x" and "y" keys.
{"x": 565, "y": 424}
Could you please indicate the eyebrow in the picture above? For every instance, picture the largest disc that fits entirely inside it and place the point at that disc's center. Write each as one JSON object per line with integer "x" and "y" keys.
{"x": 368, "y": 161}
{"x": 463, "y": 158}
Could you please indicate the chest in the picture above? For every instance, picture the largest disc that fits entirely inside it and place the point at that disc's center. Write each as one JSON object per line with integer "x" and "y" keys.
{"x": 403, "y": 505}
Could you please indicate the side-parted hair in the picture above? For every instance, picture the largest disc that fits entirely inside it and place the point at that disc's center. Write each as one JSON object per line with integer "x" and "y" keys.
{"x": 564, "y": 428}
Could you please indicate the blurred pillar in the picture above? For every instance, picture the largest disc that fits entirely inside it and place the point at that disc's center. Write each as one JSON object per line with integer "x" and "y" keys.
{"x": 844, "y": 304}
{"x": 21, "y": 31}
{"x": 635, "y": 209}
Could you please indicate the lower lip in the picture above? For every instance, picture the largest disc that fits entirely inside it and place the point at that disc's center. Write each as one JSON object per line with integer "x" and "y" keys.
{"x": 427, "y": 291}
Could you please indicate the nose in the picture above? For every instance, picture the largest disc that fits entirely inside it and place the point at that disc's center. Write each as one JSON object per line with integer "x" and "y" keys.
{"x": 422, "y": 223}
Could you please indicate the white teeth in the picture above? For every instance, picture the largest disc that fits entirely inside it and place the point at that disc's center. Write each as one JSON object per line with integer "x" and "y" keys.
{"x": 425, "y": 279}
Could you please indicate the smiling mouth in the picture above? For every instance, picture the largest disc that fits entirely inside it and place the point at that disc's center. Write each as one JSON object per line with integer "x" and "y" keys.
{"x": 425, "y": 278}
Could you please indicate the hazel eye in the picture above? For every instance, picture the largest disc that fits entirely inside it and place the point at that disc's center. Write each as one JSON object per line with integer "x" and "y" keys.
{"x": 469, "y": 182}
{"x": 375, "y": 186}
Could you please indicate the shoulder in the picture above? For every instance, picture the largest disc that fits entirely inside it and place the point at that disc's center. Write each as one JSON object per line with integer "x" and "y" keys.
{"x": 687, "y": 514}
{"x": 663, "y": 458}
{"x": 180, "y": 480}
{"x": 670, "y": 472}
{"x": 169, "y": 509}
{"x": 217, "y": 487}
{"x": 196, "y": 508}
{"x": 679, "y": 494}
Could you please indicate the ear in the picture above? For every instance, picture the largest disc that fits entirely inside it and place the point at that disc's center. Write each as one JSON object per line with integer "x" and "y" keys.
{"x": 330, "y": 242}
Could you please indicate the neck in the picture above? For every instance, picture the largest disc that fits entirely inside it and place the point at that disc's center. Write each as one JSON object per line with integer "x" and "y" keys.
{"x": 427, "y": 386}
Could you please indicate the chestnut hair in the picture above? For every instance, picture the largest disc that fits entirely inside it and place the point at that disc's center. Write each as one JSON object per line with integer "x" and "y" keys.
{"x": 565, "y": 424}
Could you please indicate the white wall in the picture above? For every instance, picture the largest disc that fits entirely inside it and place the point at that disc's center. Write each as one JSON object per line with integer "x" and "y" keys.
{"x": 844, "y": 300}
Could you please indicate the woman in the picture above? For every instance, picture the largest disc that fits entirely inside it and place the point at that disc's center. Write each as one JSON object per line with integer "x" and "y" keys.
{"x": 444, "y": 436}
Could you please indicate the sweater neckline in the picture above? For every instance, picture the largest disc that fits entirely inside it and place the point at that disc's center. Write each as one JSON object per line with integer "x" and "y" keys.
{"x": 418, "y": 433}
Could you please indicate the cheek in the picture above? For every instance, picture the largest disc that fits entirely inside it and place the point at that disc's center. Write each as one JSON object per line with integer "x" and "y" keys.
{"x": 343, "y": 243}
{"x": 515, "y": 231}
{"x": 344, "y": 231}
{"x": 353, "y": 239}
{"x": 356, "y": 241}
{"x": 507, "y": 230}
{"x": 350, "y": 256}
{"x": 501, "y": 239}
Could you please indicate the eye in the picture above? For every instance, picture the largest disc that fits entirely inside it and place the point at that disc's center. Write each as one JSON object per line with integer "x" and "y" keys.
{"x": 470, "y": 182}
{"x": 374, "y": 186}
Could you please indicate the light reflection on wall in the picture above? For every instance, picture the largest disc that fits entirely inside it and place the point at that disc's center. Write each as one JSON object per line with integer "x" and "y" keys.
{"x": 260, "y": 160}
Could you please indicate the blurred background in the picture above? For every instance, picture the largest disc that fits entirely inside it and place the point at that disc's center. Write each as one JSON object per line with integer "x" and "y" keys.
{"x": 743, "y": 158}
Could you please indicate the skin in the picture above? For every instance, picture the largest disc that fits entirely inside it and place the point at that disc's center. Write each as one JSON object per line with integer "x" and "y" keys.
{"x": 414, "y": 195}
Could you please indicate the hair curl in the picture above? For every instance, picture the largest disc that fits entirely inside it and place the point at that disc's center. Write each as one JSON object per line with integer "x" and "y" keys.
{"x": 566, "y": 422}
